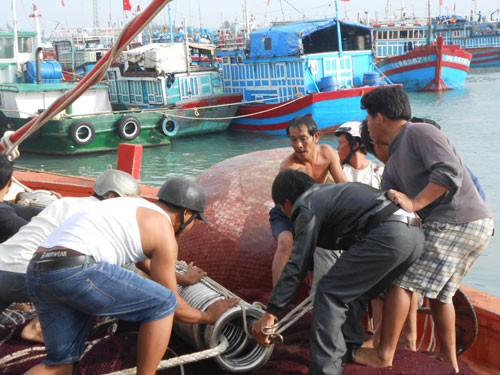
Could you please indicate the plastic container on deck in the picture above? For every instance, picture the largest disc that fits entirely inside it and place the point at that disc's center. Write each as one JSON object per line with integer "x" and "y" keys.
{"x": 371, "y": 79}
{"x": 50, "y": 71}
{"x": 328, "y": 84}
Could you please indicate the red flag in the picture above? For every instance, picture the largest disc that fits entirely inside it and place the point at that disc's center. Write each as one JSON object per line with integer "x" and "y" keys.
{"x": 441, "y": 2}
{"x": 127, "y": 5}
{"x": 62, "y": 2}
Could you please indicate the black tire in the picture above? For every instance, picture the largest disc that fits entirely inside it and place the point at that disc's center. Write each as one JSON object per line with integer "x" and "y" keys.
{"x": 168, "y": 126}
{"x": 81, "y": 132}
{"x": 128, "y": 128}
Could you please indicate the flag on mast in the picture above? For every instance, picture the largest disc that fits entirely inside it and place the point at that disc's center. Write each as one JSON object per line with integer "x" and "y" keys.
{"x": 62, "y": 2}
{"x": 127, "y": 5}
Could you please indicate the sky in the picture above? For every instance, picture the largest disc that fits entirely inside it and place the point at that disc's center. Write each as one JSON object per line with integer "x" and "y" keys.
{"x": 212, "y": 13}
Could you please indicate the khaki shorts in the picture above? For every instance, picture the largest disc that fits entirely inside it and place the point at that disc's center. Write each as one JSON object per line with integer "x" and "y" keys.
{"x": 450, "y": 250}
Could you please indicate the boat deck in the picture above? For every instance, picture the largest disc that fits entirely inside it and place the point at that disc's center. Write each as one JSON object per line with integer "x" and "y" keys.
{"x": 117, "y": 351}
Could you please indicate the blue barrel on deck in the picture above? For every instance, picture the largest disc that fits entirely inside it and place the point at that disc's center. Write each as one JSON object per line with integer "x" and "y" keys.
{"x": 328, "y": 84}
{"x": 371, "y": 79}
{"x": 50, "y": 71}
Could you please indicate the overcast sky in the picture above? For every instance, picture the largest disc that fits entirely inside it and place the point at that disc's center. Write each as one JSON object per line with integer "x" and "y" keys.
{"x": 211, "y": 13}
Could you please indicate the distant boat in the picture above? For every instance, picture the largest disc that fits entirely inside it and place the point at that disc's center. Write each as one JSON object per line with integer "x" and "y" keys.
{"x": 481, "y": 39}
{"x": 180, "y": 76}
{"x": 432, "y": 67}
{"x": 314, "y": 68}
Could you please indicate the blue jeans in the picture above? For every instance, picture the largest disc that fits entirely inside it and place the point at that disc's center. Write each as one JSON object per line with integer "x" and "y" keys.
{"x": 67, "y": 298}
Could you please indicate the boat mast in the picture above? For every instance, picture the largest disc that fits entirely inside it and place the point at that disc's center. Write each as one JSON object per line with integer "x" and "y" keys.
{"x": 37, "y": 15}
{"x": 428, "y": 37}
{"x": 339, "y": 36}
{"x": 14, "y": 24}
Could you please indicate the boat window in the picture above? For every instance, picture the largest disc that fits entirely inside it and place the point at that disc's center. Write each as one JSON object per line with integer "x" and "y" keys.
{"x": 268, "y": 44}
{"x": 410, "y": 34}
{"x": 25, "y": 45}
{"x": 6, "y": 48}
{"x": 403, "y": 34}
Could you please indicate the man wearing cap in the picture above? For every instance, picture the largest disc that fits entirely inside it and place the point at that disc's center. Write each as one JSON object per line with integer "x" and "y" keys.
{"x": 16, "y": 252}
{"x": 320, "y": 161}
{"x": 76, "y": 274}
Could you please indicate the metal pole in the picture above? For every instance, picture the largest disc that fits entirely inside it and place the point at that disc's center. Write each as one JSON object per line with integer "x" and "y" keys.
{"x": 339, "y": 35}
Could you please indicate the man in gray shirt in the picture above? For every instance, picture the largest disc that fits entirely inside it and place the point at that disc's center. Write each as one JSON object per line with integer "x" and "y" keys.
{"x": 425, "y": 174}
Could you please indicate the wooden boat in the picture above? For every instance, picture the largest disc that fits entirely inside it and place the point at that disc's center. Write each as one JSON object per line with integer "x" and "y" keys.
{"x": 289, "y": 69}
{"x": 236, "y": 250}
{"x": 433, "y": 67}
{"x": 481, "y": 39}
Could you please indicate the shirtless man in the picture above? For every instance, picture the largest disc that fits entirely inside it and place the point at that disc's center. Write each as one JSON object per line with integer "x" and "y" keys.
{"x": 76, "y": 274}
{"x": 321, "y": 162}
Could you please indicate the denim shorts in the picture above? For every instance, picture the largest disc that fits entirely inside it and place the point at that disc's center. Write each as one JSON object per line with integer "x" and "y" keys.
{"x": 67, "y": 298}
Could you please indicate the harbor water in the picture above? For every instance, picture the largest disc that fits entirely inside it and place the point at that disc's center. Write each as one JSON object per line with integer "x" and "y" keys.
{"x": 470, "y": 117}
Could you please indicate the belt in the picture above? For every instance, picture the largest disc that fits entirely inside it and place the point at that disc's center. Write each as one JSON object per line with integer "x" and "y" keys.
{"x": 410, "y": 221}
{"x": 56, "y": 258}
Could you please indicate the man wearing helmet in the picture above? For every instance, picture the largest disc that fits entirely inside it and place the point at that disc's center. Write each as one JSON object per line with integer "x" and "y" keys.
{"x": 353, "y": 156}
{"x": 76, "y": 274}
{"x": 16, "y": 252}
{"x": 321, "y": 162}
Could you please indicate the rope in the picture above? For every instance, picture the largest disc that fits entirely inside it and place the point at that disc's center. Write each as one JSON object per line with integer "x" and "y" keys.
{"x": 12, "y": 151}
{"x": 275, "y": 331}
{"x": 187, "y": 358}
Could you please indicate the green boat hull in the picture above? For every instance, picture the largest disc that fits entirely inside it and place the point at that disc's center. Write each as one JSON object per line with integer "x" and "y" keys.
{"x": 54, "y": 138}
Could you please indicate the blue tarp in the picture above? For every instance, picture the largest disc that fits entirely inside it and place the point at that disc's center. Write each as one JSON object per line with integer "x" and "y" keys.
{"x": 286, "y": 39}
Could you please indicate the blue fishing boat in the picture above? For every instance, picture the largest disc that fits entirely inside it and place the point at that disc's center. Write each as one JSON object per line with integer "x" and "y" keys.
{"x": 318, "y": 68}
{"x": 481, "y": 39}
{"x": 405, "y": 54}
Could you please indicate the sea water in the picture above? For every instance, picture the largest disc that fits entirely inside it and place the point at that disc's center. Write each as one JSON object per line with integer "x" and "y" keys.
{"x": 470, "y": 117}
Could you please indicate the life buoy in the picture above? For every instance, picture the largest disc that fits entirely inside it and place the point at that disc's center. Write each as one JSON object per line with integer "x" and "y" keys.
{"x": 168, "y": 126}
{"x": 128, "y": 128}
{"x": 81, "y": 132}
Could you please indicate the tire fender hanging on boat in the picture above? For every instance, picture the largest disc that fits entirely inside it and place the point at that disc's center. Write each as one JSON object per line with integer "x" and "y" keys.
{"x": 128, "y": 128}
{"x": 81, "y": 132}
{"x": 169, "y": 127}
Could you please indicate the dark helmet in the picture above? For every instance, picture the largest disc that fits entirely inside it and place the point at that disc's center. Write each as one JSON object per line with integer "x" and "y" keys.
{"x": 114, "y": 180}
{"x": 184, "y": 193}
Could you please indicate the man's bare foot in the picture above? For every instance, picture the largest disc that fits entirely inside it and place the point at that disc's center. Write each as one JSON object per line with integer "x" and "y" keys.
{"x": 441, "y": 357}
{"x": 33, "y": 331}
{"x": 369, "y": 357}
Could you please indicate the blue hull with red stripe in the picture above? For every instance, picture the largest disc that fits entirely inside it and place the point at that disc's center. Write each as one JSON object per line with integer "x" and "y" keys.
{"x": 328, "y": 109}
{"x": 435, "y": 67}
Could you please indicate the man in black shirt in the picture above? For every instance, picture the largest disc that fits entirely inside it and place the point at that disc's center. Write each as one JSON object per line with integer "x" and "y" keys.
{"x": 381, "y": 241}
{"x": 12, "y": 216}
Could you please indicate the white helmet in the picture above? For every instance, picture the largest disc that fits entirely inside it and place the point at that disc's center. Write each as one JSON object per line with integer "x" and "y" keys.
{"x": 350, "y": 127}
{"x": 119, "y": 182}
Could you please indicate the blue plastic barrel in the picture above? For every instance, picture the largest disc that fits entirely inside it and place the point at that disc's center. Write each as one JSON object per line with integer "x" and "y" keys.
{"x": 371, "y": 78}
{"x": 50, "y": 71}
{"x": 328, "y": 84}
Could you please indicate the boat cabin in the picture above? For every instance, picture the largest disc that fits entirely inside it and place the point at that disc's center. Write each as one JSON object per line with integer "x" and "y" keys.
{"x": 10, "y": 62}
{"x": 395, "y": 39}
{"x": 293, "y": 58}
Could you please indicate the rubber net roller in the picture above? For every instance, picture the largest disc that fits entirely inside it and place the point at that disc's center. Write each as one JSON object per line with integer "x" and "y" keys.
{"x": 243, "y": 353}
